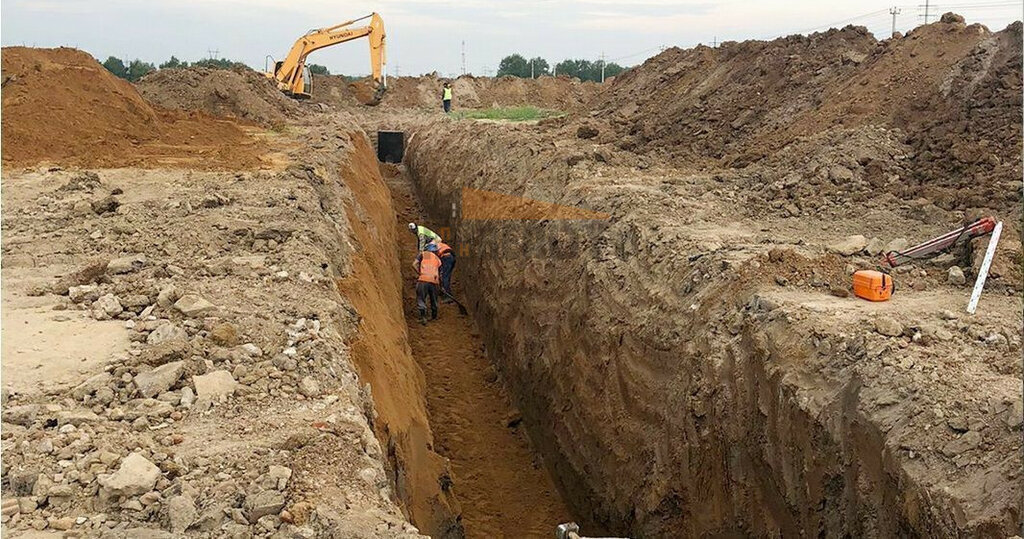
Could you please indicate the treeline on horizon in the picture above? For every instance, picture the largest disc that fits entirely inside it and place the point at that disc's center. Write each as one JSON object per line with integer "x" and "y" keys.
{"x": 134, "y": 70}
{"x": 516, "y": 65}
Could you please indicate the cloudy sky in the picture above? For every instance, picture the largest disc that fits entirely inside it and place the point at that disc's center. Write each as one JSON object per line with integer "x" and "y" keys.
{"x": 427, "y": 35}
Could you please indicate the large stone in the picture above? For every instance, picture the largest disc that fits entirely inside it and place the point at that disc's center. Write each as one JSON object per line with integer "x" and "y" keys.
{"x": 955, "y": 276}
{"x": 91, "y": 385}
{"x": 166, "y": 332}
{"x": 137, "y": 475}
{"x": 181, "y": 512}
{"x": 898, "y": 244}
{"x": 214, "y": 385}
{"x": 192, "y": 305}
{"x": 888, "y": 326}
{"x": 874, "y": 247}
{"x": 76, "y": 417}
{"x": 23, "y": 415}
{"x": 126, "y": 264}
{"x": 850, "y": 246}
{"x": 106, "y": 307}
{"x": 165, "y": 352}
{"x": 224, "y": 334}
{"x": 85, "y": 292}
{"x": 260, "y": 504}
{"x": 167, "y": 296}
{"x": 22, "y": 482}
{"x": 308, "y": 387}
{"x": 154, "y": 382}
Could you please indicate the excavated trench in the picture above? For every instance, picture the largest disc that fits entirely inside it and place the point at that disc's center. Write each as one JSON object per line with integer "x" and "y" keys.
{"x": 460, "y": 459}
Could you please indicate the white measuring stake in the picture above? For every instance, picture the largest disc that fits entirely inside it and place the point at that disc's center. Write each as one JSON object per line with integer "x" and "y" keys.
{"x": 979, "y": 283}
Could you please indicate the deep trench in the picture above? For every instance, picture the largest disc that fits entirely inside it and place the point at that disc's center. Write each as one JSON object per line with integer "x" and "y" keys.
{"x": 501, "y": 484}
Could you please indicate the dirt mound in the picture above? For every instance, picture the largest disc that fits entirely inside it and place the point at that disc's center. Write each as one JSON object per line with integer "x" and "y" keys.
{"x": 561, "y": 93}
{"x": 949, "y": 91}
{"x": 237, "y": 93}
{"x": 61, "y": 106}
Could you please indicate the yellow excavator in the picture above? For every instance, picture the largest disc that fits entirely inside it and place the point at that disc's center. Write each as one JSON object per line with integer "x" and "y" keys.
{"x": 293, "y": 76}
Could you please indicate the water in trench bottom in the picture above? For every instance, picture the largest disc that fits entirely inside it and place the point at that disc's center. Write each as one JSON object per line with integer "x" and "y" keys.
{"x": 501, "y": 484}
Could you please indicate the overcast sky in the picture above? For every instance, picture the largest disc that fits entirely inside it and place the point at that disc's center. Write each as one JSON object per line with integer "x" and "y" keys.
{"x": 426, "y": 35}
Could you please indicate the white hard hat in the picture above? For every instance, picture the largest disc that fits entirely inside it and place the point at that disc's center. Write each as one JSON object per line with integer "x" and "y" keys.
{"x": 412, "y": 226}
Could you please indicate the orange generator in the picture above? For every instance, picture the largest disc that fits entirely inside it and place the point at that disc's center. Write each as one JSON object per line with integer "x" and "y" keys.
{"x": 873, "y": 285}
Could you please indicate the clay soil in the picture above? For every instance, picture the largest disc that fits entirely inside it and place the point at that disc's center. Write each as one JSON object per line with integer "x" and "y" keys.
{"x": 501, "y": 483}
{"x": 62, "y": 107}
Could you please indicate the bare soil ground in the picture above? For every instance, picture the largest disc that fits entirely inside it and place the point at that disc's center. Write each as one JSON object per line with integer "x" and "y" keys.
{"x": 217, "y": 395}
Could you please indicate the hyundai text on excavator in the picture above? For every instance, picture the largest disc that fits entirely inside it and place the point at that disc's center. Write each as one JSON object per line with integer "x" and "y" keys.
{"x": 293, "y": 76}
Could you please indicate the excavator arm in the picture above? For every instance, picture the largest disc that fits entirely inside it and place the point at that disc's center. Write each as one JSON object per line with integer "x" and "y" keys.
{"x": 289, "y": 72}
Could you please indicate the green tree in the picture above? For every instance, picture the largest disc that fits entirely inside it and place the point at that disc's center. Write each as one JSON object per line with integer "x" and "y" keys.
{"x": 318, "y": 69}
{"x": 173, "y": 63}
{"x": 218, "y": 63}
{"x": 539, "y": 67}
{"x": 137, "y": 69}
{"x": 587, "y": 70}
{"x": 514, "y": 65}
{"x": 116, "y": 66}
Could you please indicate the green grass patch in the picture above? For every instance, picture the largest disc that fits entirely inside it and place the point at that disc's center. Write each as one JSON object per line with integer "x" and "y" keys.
{"x": 512, "y": 114}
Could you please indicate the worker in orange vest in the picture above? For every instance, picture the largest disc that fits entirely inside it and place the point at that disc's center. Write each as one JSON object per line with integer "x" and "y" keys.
{"x": 428, "y": 269}
{"x": 447, "y": 256}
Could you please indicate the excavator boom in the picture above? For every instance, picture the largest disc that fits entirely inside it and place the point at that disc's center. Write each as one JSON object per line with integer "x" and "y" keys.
{"x": 289, "y": 72}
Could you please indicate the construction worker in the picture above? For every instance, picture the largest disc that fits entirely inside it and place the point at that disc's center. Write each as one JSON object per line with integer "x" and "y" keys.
{"x": 446, "y": 97}
{"x": 423, "y": 236}
{"x": 447, "y": 256}
{"x": 428, "y": 269}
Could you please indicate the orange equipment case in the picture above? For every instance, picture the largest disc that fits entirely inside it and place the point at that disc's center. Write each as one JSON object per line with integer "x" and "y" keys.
{"x": 873, "y": 285}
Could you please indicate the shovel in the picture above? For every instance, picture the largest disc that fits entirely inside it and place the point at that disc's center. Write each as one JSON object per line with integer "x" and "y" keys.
{"x": 462, "y": 308}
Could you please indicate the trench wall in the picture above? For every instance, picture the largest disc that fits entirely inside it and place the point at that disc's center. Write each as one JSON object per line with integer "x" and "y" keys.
{"x": 667, "y": 396}
{"x": 381, "y": 352}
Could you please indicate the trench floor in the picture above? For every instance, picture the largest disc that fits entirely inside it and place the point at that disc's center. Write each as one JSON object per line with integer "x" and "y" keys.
{"x": 502, "y": 485}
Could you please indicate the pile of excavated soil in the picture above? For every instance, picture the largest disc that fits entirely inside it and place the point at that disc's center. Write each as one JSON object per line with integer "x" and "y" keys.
{"x": 948, "y": 91}
{"x": 60, "y": 106}
{"x": 561, "y": 93}
{"x": 237, "y": 93}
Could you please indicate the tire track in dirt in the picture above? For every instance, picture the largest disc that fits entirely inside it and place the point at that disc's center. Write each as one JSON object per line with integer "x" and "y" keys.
{"x": 501, "y": 484}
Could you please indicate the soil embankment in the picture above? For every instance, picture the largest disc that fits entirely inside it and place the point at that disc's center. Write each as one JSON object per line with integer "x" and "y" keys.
{"x": 239, "y": 93}
{"x": 62, "y": 107}
{"x": 424, "y": 92}
{"x": 502, "y": 485}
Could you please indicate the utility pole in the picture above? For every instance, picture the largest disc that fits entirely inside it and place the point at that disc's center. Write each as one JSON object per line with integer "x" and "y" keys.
{"x": 463, "y": 56}
{"x": 894, "y": 11}
{"x": 925, "y": 6}
{"x": 531, "y": 68}
{"x": 714, "y": 42}
{"x": 602, "y": 67}
{"x": 213, "y": 53}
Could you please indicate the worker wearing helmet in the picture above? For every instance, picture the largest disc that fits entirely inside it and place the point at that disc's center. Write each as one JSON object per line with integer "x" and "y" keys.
{"x": 447, "y": 256}
{"x": 423, "y": 236}
{"x": 428, "y": 271}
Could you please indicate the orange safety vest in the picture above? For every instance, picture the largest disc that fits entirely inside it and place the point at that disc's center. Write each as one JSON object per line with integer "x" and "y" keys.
{"x": 443, "y": 249}
{"x": 430, "y": 268}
